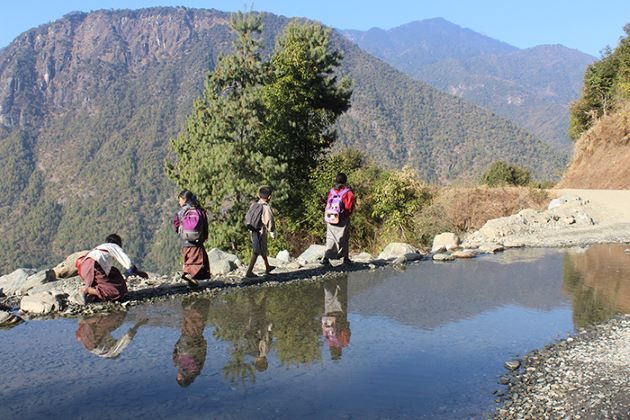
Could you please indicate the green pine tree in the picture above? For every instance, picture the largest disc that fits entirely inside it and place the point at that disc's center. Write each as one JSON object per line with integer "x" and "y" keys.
{"x": 302, "y": 102}
{"x": 217, "y": 154}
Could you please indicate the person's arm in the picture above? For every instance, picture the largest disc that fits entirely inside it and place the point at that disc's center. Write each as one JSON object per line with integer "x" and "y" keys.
{"x": 268, "y": 221}
{"x": 349, "y": 201}
{"x": 124, "y": 260}
{"x": 176, "y": 222}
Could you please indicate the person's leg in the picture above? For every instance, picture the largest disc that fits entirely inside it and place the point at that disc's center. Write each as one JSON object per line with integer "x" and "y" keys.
{"x": 331, "y": 245}
{"x": 250, "y": 267}
{"x": 268, "y": 268}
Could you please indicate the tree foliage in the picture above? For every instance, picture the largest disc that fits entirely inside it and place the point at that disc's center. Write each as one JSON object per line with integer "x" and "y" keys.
{"x": 606, "y": 82}
{"x": 217, "y": 154}
{"x": 500, "y": 173}
{"x": 260, "y": 123}
{"x": 302, "y": 102}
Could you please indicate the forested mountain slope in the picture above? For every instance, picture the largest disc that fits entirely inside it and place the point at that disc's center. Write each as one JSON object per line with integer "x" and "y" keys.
{"x": 532, "y": 87}
{"x": 88, "y": 104}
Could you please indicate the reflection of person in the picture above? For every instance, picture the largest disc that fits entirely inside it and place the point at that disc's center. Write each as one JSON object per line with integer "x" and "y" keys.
{"x": 101, "y": 279}
{"x": 335, "y": 324}
{"x": 189, "y": 354}
{"x": 95, "y": 333}
{"x": 196, "y": 265}
{"x": 263, "y": 338}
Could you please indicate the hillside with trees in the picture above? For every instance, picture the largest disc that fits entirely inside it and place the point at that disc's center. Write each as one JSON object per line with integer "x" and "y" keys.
{"x": 600, "y": 124}
{"x": 89, "y": 104}
{"x": 532, "y": 87}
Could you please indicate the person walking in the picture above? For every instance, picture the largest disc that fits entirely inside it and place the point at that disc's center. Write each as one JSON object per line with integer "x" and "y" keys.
{"x": 339, "y": 207}
{"x": 259, "y": 220}
{"x": 191, "y": 224}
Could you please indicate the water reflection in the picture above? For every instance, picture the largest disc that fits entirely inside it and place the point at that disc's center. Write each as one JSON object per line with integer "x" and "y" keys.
{"x": 189, "y": 354}
{"x": 289, "y": 321}
{"x": 335, "y": 324}
{"x": 95, "y": 333}
{"x": 598, "y": 280}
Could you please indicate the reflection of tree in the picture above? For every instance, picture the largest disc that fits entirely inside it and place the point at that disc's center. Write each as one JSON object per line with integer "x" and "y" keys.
{"x": 95, "y": 333}
{"x": 295, "y": 312}
{"x": 248, "y": 319}
{"x": 595, "y": 279}
{"x": 189, "y": 354}
{"x": 242, "y": 320}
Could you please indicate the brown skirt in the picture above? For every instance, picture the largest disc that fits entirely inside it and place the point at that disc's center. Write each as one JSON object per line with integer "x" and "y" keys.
{"x": 196, "y": 263}
{"x": 110, "y": 286}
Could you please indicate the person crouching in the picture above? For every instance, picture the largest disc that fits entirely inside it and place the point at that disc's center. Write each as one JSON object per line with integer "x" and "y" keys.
{"x": 103, "y": 281}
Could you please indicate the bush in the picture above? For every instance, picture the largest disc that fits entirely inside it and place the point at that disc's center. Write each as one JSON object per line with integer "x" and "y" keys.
{"x": 500, "y": 173}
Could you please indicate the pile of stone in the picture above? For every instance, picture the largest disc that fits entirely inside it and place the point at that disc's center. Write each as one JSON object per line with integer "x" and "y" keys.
{"x": 585, "y": 376}
{"x": 567, "y": 212}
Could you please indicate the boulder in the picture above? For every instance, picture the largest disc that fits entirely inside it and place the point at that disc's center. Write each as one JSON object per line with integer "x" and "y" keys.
{"x": 7, "y": 319}
{"x": 14, "y": 281}
{"x": 446, "y": 240}
{"x": 67, "y": 268}
{"x": 41, "y": 303}
{"x": 397, "y": 249}
{"x": 556, "y": 202}
{"x": 220, "y": 267}
{"x": 443, "y": 257}
{"x": 490, "y": 248}
{"x": 222, "y": 262}
{"x": 313, "y": 254}
{"x": 283, "y": 257}
{"x": 363, "y": 257}
{"x": 21, "y": 281}
{"x": 272, "y": 261}
{"x": 59, "y": 287}
{"x": 465, "y": 253}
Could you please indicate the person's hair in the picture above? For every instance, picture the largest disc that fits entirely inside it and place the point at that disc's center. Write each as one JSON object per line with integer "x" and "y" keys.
{"x": 114, "y": 239}
{"x": 186, "y": 379}
{"x": 261, "y": 363}
{"x": 264, "y": 192}
{"x": 341, "y": 178}
{"x": 190, "y": 198}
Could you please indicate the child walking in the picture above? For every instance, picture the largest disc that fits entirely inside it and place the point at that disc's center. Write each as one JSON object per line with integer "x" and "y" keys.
{"x": 260, "y": 221}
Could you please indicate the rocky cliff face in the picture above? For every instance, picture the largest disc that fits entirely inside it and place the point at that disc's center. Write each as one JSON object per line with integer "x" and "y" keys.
{"x": 66, "y": 63}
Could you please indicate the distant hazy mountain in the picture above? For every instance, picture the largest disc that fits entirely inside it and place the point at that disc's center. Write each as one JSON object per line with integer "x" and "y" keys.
{"x": 89, "y": 102}
{"x": 532, "y": 87}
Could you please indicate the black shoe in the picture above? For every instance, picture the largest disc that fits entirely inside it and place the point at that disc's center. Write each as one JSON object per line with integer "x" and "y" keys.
{"x": 270, "y": 269}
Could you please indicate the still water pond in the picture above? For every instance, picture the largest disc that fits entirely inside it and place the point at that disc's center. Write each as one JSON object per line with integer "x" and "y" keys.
{"x": 429, "y": 341}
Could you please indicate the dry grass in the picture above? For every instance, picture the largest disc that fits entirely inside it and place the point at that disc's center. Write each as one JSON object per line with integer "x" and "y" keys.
{"x": 602, "y": 155}
{"x": 466, "y": 209}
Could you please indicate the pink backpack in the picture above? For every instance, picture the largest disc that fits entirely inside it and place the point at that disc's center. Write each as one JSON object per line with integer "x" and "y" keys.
{"x": 334, "y": 206}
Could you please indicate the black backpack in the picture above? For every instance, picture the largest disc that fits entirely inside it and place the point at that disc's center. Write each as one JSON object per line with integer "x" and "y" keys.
{"x": 253, "y": 217}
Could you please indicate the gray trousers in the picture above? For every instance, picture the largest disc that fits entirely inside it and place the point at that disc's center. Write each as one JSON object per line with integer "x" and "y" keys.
{"x": 338, "y": 239}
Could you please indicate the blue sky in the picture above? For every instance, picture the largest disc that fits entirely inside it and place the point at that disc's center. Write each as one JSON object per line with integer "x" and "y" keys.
{"x": 587, "y": 26}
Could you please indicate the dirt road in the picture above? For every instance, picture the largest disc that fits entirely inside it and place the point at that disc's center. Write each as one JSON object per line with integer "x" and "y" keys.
{"x": 608, "y": 206}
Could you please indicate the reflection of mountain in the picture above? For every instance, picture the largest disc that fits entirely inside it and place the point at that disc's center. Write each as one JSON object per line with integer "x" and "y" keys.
{"x": 428, "y": 295}
{"x": 599, "y": 282}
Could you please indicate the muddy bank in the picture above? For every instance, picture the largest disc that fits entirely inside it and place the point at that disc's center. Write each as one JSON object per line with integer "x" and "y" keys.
{"x": 584, "y": 376}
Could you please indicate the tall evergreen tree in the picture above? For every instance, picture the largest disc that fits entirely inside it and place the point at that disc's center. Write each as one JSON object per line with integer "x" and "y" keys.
{"x": 302, "y": 102}
{"x": 217, "y": 154}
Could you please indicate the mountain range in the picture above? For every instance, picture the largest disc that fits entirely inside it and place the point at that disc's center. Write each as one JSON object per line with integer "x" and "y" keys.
{"x": 532, "y": 87}
{"x": 89, "y": 102}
